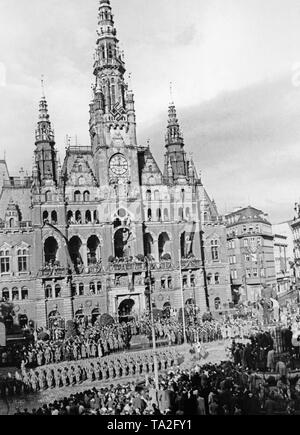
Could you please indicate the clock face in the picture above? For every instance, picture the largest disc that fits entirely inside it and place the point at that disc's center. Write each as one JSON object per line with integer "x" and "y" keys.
{"x": 118, "y": 165}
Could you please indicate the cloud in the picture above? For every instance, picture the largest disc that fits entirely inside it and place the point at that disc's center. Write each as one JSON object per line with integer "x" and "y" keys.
{"x": 246, "y": 144}
{"x": 187, "y": 35}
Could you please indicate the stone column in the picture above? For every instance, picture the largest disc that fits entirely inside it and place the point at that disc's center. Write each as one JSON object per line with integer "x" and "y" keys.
{"x": 155, "y": 250}
{"x": 84, "y": 254}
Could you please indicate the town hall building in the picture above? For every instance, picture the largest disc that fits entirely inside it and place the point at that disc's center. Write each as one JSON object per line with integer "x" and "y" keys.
{"x": 79, "y": 239}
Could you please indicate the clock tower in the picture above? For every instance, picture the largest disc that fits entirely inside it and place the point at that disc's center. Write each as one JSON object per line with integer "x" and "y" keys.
{"x": 112, "y": 113}
{"x": 113, "y": 131}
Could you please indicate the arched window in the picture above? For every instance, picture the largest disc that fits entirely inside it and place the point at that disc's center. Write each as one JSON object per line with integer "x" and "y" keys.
{"x": 170, "y": 285}
{"x": 48, "y": 291}
{"x": 163, "y": 283}
{"x": 99, "y": 287}
{"x": 103, "y": 51}
{"x": 166, "y": 214}
{"x": 92, "y": 288}
{"x": 11, "y": 223}
{"x": 217, "y": 278}
{"x": 5, "y": 294}
{"x": 180, "y": 214}
{"x": 70, "y": 217}
{"x": 73, "y": 289}
{"x": 78, "y": 217}
{"x": 110, "y": 51}
{"x": 96, "y": 219}
{"x": 156, "y": 195}
{"x": 215, "y": 250}
{"x": 15, "y": 294}
{"x": 45, "y": 216}
{"x": 158, "y": 214}
{"x": 57, "y": 291}
{"x": 148, "y": 243}
{"x": 4, "y": 261}
{"x": 79, "y": 168}
{"x": 163, "y": 244}
{"x": 217, "y": 303}
{"x": 53, "y": 217}
{"x": 149, "y": 214}
{"x": 86, "y": 196}
{"x": 187, "y": 213}
{"x": 50, "y": 250}
{"x": 148, "y": 195}
{"x": 205, "y": 217}
{"x": 81, "y": 289}
{"x": 77, "y": 196}
{"x": 48, "y": 196}
{"x": 81, "y": 181}
{"x": 209, "y": 279}
{"x": 193, "y": 281}
{"x": 22, "y": 255}
{"x": 93, "y": 246}
{"x": 24, "y": 293}
{"x": 75, "y": 245}
{"x": 184, "y": 281}
{"x": 88, "y": 217}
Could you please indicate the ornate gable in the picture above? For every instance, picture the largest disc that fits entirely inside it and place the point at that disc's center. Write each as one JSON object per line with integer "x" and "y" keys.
{"x": 151, "y": 173}
{"x": 81, "y": 173}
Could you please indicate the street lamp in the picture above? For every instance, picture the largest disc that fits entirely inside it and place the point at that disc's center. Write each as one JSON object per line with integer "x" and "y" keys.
{"x": 149, "y": 281}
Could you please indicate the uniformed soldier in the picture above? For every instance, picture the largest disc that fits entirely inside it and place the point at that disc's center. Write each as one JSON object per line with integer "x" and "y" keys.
{"x": 57, "y": 377}
{"x": 111, "y": 370}
{"x": 26, "y": 382}
{"x": 33, "y": 381}
{"x": 72, "y": 376}
{"x": 47, "y": 355}
{"x": 64, "y": 377}
{"x": 78, "y": 375}
{"x": 42, "y": 379}
{"x": 49, "y": 378}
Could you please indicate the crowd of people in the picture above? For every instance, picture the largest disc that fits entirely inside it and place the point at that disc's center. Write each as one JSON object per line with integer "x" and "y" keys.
{"x": 92, "y": 341}
{"x": 213, "y": 389}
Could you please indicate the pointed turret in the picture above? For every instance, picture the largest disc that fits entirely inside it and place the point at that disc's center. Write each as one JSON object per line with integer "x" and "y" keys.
{"x": 112, "y": 106}
{"x": 45, "y": 153}
{"x": 175, "y": 146}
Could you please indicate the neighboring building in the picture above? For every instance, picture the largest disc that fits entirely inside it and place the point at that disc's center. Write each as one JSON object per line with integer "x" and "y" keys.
{"x": 251, "y": 254}
{"x": 284, "y": 261}
{"x": 295, "y": 225}
{"x": 73, "y": 237}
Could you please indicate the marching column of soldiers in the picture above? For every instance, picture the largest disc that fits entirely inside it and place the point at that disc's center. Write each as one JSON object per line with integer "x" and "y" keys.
{"x": 104, "y": 369}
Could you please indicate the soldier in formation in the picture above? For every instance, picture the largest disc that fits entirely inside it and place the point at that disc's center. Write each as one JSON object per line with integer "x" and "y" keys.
{"x": 104, "y": 369}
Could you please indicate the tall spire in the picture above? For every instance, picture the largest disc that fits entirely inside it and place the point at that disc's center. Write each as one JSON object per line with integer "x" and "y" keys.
{"x": 173, "y": 136}
{"x": 174, "y": 144}
{"x": 112, "y": 106}
{"x": 107, "y": 47}
{"x": 45, "y": 167}
{"x": 44, "y": 130}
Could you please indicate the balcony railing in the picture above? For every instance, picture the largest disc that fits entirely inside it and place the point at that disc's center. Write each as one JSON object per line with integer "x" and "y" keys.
{"x": 19, "y": 225}
{"x": 121, "y": 267}
{"x": 48, "y": 271}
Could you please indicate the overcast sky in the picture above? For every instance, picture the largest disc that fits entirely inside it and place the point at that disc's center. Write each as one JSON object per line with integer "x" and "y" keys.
{"x": 235, "y": 65}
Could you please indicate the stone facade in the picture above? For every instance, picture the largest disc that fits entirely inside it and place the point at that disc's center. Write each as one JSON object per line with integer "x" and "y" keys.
{"x": 73, "y": 237}
{"x": 251, "y": 254}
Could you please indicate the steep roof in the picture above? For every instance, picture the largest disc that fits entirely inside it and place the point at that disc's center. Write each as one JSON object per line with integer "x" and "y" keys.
{"x": 246, "y": 215}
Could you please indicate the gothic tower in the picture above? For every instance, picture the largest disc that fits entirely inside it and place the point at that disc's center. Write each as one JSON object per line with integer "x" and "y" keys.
{"x": 176, "y": 165}
{"x": 112, "y": 113}
{"x": 45, "y": 167}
